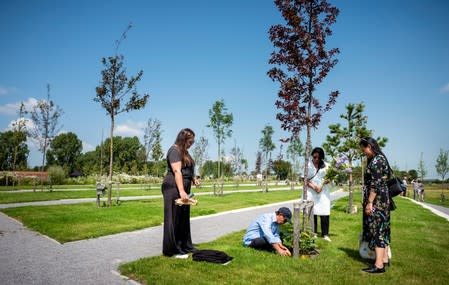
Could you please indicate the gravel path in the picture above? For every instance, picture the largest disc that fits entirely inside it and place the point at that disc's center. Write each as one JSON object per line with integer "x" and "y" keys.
{"x": 28, "y": 257}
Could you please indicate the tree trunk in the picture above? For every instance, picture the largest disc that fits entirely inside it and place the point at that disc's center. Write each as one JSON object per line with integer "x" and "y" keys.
{"x": 306, "y": 164}
{"x": 43, "y": 155}
{"x": 43, "y": 163}
{"x": 296, "y": 229}
{"x": 16, "y": 150}
{"x": 351, "y": 192}
{"x": 101, "y": 156}
{"x": 308, "y": 119}
{"x": 292, "y": 187}
{"x": 308, "y": 147}
{"x": 110, "y": 161}
{"x": 266, "y": 171}
{"x": 218, "y": 168}
{"x": 218, "y": 162}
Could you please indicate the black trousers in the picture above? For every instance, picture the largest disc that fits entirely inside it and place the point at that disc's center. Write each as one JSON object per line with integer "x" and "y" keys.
{"x": 261, "y": 243}
{"x": 177, "y": 238}
{"x": 324, "y": 220}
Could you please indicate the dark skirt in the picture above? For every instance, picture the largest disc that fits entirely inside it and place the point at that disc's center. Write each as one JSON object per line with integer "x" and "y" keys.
{"x": 376, "y": 229}
{"x": 177, "y": 238}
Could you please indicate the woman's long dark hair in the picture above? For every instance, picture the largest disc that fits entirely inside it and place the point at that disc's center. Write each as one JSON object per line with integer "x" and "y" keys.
{"x": 320, "y": 152}
{"x": 181, "y": 141}
{"x": 374, "y": 146}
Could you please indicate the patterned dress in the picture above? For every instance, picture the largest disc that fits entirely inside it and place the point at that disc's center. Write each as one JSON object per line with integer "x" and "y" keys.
{"x": 376, "y": 227}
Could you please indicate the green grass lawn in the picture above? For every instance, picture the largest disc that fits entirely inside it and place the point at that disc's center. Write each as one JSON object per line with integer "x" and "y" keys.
{"x": 59, "y": 193}
{"x": 420, "y": 250}
{"x": 19, "y": 197}
{"x": 38, "y": 187}
{"x": 205, "y": 184}
{"x": 81, "y": 221}
{"x": 432, "y": 194}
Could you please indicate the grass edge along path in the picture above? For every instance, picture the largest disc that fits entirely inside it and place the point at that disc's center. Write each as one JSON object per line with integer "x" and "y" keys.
{"x": 10, "y": 197}
{"x": 66, "y": 223}
{"x": 419, "y": 245}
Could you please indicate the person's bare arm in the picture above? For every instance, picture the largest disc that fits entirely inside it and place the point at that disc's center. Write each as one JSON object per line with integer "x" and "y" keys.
{"x": 281, "y": 249}
{"x": 176, "y": 167}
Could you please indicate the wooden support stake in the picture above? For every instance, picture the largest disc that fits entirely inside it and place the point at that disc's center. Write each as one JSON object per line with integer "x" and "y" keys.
{"x": 296, "y": 225}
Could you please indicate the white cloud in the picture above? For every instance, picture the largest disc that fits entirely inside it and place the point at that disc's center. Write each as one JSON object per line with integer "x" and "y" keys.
{"x": 13, "y": 108}
{"x": 87, "y": 147}
{"x": 130, "y": 129}
{"x": 9, "y": 109}
{"x": 445, "y": 89}
{"x": 28, "y": 123}
{"x": 3, "y": 90}
{"x": 7, "y": 90}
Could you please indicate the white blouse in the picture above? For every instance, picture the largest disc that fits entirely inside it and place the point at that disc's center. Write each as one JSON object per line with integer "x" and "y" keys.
{"x": 322, "y": 200}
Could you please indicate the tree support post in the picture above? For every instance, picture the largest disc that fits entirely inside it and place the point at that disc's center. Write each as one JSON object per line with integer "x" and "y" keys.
{"x": 306, "y": 207}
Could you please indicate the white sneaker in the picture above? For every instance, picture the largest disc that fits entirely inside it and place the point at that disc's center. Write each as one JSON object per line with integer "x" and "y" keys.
{"x": 327, "y": 238}
{"x": 181, "y": 256}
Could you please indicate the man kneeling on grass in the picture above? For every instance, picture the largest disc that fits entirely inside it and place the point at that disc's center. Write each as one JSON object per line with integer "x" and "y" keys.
{"x": 263, "y": 232}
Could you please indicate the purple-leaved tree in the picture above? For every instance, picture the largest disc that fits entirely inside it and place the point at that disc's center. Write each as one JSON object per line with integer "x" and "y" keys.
{"x": 301, "y": 62}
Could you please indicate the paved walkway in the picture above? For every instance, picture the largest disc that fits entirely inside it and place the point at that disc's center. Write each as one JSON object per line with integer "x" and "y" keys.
{"x": 437, "y": 210}
{"x": 30, "y": 258}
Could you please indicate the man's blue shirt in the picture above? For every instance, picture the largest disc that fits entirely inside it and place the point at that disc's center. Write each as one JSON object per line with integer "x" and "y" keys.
{"x": 263, "y": 226}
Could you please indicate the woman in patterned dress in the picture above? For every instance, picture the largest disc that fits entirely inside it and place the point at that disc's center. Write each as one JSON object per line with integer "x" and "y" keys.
{"x": 376, "y": 204}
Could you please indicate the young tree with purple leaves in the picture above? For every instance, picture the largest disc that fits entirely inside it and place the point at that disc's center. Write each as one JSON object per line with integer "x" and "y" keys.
{"x": 301, "y": 63}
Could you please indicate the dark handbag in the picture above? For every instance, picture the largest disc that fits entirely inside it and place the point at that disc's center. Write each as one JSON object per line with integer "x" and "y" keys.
{"x": 392, "y": 205}
{"x": 395, "y": 186}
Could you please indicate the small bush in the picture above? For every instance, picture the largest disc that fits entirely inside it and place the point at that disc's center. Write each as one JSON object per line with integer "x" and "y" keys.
{"x": 56, "y": 175}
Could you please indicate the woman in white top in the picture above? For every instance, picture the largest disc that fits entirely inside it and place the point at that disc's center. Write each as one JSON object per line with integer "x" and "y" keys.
{"x": 318, "y": 191}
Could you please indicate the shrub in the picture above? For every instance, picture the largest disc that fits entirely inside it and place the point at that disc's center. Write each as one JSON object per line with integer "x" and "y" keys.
{"x": 56, "y": 175}
{"x": 306, "y": 239}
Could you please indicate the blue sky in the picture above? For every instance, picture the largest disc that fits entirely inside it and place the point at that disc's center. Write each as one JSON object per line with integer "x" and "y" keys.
{"x": 394, "y": 57}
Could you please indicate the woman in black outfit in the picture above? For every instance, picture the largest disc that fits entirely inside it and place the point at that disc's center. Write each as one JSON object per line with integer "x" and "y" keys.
{"x": 177, "y": 241}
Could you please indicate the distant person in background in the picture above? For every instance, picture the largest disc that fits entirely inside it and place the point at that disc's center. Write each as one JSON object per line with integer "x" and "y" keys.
{"x": 259, "y": 178}
{"x": 404, "y": 181}
{"x": 420, "y": 188}
{"x": 318, "y": 191}
{"x": 415, "y": 188}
